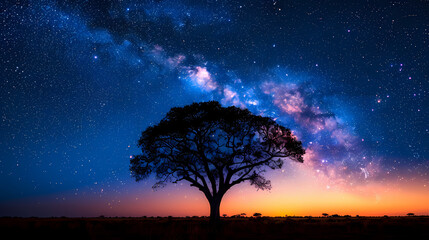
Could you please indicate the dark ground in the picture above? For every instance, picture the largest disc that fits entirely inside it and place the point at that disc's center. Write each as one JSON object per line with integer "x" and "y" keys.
{"x": 229, "y": 228}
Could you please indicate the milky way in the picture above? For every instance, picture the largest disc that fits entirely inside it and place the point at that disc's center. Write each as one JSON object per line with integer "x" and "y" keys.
{"x": 80, "y": 80}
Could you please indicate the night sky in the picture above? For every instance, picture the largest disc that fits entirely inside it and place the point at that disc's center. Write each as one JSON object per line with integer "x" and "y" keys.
{"x": 81, "y": 80}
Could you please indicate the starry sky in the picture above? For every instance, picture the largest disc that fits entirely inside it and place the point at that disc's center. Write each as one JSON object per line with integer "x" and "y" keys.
{"x": 81, "y": 80}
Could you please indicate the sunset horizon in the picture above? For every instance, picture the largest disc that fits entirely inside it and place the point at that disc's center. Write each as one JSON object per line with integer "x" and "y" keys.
{"x": 305, "y": 198}
{"x": 180, "y": 115}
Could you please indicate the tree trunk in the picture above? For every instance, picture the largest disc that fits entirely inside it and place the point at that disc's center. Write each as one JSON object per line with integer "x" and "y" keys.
{"x": 214, "y": 208}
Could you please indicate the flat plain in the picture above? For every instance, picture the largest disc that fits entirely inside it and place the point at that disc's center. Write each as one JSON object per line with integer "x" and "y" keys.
{"x": 416, "y": 227}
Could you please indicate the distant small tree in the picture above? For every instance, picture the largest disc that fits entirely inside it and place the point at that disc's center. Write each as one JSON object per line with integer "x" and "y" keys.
{"x": 257, "y": 215}
{"x": 225, "y": 215}
{"x": 243, "y": 214}
{"x": 410, "y": 214}
{"x": 325, "y": 214}
{"x": 214, "y": 148}
{"x": 335, "y": 215}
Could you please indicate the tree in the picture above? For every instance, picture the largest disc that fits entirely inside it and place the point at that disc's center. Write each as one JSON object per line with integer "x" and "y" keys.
{"x": 213, "y": 148}
{"x": 325, "y": 214}
{"x": 410, "y": 214}
{"x": 257, "y": 215}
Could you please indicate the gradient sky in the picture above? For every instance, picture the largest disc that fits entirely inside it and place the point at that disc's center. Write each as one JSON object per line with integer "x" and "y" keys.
{"x": 80, "y": 80}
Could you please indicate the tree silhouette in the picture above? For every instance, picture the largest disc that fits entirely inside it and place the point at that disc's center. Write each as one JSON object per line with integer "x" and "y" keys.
{"x": 213, "y": 148}
{"x": 257, "y": 215}
{"x": 325, "y": 214}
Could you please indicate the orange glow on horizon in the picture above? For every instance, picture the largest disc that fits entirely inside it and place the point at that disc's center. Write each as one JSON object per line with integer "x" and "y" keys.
{"x": 291, "y": 197}
{"x": 297, "y": 193}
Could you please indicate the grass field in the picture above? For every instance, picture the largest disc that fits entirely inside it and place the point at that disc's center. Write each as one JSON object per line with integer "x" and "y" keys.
{"x": 228, "y": 228}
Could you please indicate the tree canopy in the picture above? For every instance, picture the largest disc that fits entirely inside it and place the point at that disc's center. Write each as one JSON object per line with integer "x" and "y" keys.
{"x": 214, "y": 148}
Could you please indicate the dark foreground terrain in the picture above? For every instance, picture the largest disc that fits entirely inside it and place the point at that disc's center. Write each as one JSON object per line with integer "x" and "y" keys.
{"x": 229, "y": 228}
